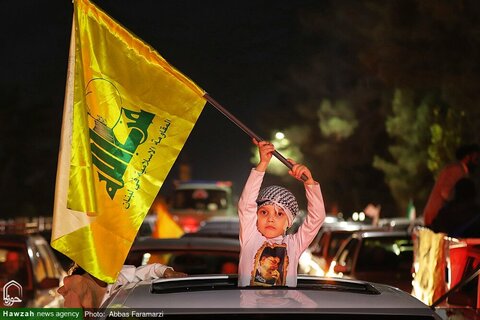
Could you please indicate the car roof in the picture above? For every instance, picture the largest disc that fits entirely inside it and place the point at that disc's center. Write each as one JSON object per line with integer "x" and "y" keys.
{"x": 221, "y": 294}
{"x": 347, "y": 226}
{"x": 381, "y": 234}
{"x": 17, "y": 237}
{"x": 228, "y": 227}
{"x": 204, "y": 184}
{"x": 400, "y": 220}
{"x": 187, "y": 243}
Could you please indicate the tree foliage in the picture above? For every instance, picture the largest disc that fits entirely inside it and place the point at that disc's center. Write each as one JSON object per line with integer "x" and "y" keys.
{"x": 398, "y": 80}
{"x": 429, "y": 47}
{"x": 408, "y": 126}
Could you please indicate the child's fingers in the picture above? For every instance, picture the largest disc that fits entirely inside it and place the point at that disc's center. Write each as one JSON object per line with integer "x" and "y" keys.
{"x": 298, "y": 170}
{"x": 294, "y": 166}
{"x": 266, "y": 143}
{"x": 291, "y": 161}
{"x": 294, "y": 172}
{"x": 266, "y": 150}
{"x": 260, "y": 143}
{"x": 266, "y": 146}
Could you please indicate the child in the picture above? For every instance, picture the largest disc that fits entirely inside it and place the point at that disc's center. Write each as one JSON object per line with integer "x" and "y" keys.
{"x": 264, "y": 218}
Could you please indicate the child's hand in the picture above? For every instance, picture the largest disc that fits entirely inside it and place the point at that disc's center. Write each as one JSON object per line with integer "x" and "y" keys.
{"x": 170, "y": 273}
{"x": 298, "y": 170}
{"x": 265, "y": 150}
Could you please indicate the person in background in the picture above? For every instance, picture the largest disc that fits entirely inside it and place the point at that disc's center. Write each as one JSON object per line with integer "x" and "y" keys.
{"x": 373, "y": 211}
{"x": 82, "y": 290}
{"x": 265, "y": 215}
{"x": 468, "y": 157}
{"x": 460, "y": 217}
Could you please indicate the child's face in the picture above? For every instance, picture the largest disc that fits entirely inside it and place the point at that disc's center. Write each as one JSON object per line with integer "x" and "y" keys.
{"x": 271, "y": 221}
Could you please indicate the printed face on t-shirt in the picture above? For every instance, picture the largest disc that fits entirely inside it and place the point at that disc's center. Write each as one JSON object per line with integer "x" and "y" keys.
{"x": 270, "y": 265}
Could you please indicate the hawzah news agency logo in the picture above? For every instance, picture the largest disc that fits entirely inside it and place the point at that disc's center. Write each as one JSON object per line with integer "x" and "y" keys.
{"x": 12, "y": 293}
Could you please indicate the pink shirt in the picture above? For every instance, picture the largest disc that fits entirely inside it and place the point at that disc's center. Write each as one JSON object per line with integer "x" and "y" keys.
{"x": 288, "y": 247}
{"x": 442, "y": 190}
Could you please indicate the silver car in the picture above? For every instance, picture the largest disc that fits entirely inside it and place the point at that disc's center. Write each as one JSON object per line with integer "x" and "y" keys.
{"x": 203, "y": 296}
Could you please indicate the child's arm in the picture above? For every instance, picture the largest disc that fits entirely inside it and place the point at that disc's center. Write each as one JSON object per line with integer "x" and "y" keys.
{"x": 316, "y": 208}
{"x": 247, "y": 205}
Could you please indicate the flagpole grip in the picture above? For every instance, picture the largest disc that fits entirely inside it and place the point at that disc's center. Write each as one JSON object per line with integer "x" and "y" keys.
{"x": 247, "y": 130}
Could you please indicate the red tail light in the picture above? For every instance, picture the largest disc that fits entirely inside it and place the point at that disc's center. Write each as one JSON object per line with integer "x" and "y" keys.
{"x": 189, "y": 224}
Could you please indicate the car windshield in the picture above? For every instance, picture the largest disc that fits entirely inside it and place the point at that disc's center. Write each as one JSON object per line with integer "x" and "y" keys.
{"x": 386, "y": 253}
{"x": 200, "y": 199}
{"x": 347, "y": 254}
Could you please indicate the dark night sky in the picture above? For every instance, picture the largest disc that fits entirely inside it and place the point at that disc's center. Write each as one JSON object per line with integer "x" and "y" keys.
{"x": 238, "y": 51}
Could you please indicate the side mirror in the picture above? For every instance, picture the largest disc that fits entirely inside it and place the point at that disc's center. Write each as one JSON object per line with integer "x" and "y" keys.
{"x": 341, "y": 269}
{"x": 48, "y": 283}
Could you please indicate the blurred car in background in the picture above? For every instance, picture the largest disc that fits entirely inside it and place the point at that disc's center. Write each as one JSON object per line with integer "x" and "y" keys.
{"x": 330, "y": 238}
{"x": 302, "y": 214}
{"x": 197, "y": 201}
{"x": 192, "y": 255}
{"x": 400, "y": 223}
{"x": 29, "y": 260}
{"x": 376, "y": 256}
{"x": 218, "y": 227}
{"x": 207, "y": 296}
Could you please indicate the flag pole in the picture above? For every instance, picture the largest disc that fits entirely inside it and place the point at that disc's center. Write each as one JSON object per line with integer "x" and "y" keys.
{"x": 247, "y": 130}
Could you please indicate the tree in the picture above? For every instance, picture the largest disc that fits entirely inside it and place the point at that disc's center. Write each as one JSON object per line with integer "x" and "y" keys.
{"x": 429, "y": 47}
{"x": 357, "y": 56}
{"x": 408, "y": 127}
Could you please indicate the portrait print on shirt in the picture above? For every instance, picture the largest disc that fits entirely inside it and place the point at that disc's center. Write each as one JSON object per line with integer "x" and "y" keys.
{"x": 270, "y": 265}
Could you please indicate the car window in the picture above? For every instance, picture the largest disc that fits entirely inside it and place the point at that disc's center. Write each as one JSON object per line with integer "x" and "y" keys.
{"x": 48, "y": 262}
{"x": 39, "y": 267}
{"x": 347, "y": 255}
{"x": 336, "y": 240}
{"x": 200, "y": 199}
{"x": 322, "y": 242}
{"x": 386, "y": 253}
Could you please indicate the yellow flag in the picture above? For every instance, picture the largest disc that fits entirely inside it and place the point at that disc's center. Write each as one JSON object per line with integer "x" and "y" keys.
{"x": 127, "y": 115}
{"x": 165, "y": 226}
{"x": 429, "y": 282}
